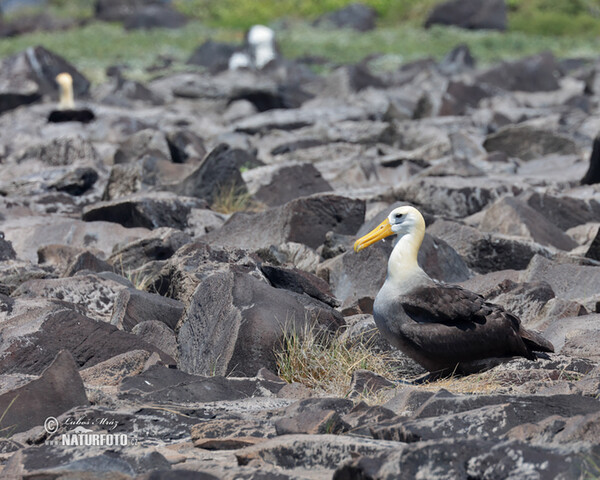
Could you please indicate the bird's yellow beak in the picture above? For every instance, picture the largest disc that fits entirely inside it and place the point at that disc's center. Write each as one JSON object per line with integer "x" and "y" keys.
{"x": 384, "y": 229}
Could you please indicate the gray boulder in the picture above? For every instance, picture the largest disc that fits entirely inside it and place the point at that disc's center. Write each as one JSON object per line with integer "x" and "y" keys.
{"x": 155, "y": 210}
{"x": 133, "y": 306}
{"x": 509, "y": 216}
{"x": 471, "y": 14}
{"x": 355, "y": 16}
{"x": 304, "y": 220}
{"x": 58, "y": 389}
{"x": 235, "y": 322}
{"x": 528, "y": 143}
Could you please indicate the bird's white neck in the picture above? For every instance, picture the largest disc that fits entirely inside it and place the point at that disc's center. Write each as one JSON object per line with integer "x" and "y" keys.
{"x": 66, "y": 101}
{"x": 402, "y": 265}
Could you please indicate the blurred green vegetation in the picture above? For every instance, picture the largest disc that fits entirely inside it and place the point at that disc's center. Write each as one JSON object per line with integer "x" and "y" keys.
{"x": 568, "y": 28}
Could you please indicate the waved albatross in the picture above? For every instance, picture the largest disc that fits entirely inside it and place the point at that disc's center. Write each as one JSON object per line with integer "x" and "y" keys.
{"x": 442, "y": 327}
{"x": 66, "y": 111}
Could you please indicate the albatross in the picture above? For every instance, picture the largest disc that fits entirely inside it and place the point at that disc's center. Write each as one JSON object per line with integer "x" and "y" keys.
{"x": 443, "y": 327}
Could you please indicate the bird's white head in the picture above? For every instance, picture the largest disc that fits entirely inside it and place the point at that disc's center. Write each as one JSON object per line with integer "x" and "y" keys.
{"x": 401, "y": 221}
{"x": 260, "y": 35}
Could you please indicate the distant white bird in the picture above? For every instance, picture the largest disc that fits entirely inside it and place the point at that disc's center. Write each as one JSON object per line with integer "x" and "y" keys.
{"x": 261, "y": 41}
{"x": 239, "y": 60}
{"x": 65, "y": 84}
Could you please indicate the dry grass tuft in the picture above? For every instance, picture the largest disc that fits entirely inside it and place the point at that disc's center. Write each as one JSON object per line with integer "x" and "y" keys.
{"x": 325, "y": 362}
{"x": 232, "y": 198}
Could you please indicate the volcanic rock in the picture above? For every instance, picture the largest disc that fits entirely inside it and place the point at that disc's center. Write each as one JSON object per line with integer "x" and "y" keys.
{"x": 471, "y": 14}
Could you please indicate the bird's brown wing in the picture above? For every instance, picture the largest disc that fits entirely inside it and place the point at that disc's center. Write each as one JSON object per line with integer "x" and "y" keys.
{"x": 452, "y": 323}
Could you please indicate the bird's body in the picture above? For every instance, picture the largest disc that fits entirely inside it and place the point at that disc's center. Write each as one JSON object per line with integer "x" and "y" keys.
{"x": 442, "y": 327}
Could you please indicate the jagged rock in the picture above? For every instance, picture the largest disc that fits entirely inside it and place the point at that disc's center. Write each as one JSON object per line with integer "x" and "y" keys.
{"x": 157, "y": 333}
{"x": 76, "y": 182}
{"x": 58, "y": 389}
{"x": 213, "y": 55}
{"x": 529, "y": 143}
{"x": 94, "y": 292}
{"x": 111, "y": 372}
{"x": 30, "y": 347}
{"x": 355, "y": 16}
{"x": 194, "y": 262}
{"x": 277, "y": 185}
{"x": 138, "y": 145}
{"x": 486, "y": 252}
{"x": 538, "y": 73}
{"x": 155, "y": 16}
{"x": 563, "y": 211}
{"x": 568, "y": 281}
{"x": 365, "y": 382}
{"x": 471, "y": 14}
{"x": 300, "y": 282}
{"x": 510, "y": 216}
{"x": 86, "y": 261}
{"x": 453, "y": 196}
{"x": 313, "y": 416}
{"x": 458, "y": 60}
{"x": 7, "y": 252}
{"x": 319, "y": 453}
{"x": 41, "y": 66}
{"x": 247, "y": 319}
{"x": 72, "y": 150}
{"x": 160, "y": 244}
{"x": 593, "y": 173}
{"x": 593, "y": 251}
{"x": 219, "y": 170}
{"x": 408, "y": 400}
{"x": 185, "y": 146}
{"x": 159, "y": 209}
{"x": 133, "y": 306}
{"x": 304, "y": 220}
{"x": 459, "y": 97}
{"x": 559, "y": 430}
{"x": 160, "y": 384}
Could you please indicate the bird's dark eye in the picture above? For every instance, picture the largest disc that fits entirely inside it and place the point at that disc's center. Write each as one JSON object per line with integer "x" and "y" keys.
{"x": 399, "y": 216}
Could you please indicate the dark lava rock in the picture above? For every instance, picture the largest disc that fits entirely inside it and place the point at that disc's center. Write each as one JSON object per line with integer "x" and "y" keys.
{"x": 509, "y": 216}
{"x": 290, "y": 182}
{"x": 471, "y": 14}
{"x": 160, "y": 244}
{"x": 144, "y": 142}
{"x": 42, "y": 66}
{"x": 159, "y": 209}
{"x": 538, "y": 73}
{"x": 235, "y": 322}
{"x": 299, "y": 281}
{"x": 83, "y": 115}
{"x": 314, "y": 415}
{"x": 594, "y": 250}
{"x": 58, "y": 389}
{"x": 160, "y": 384}
{"x": 593, "y": 173}
{"x": 355, "y": 16}
{"x": 7, "y": 252}
{"x": 158, "y": 334}
{"x": 61, "y": 151}
{"x": 76, "y": 182}
{"x": 134, "y": 306}
{"x": 86, "y": 261}
{"x": 459, "y": 97}
{"x": 304, "y": 220}
{"x": 194, "y": 262}
{"x": 365, "y": 382}
{"x": 219, "y": 170}
{"x": 483, "y": 252}
{"x": 155, "y": 16}
{"x": 458, "y": 60}
{"x": 213, "y": 55}
{"x": 528, "y": 143}
{"x": 185, "y": 146}
{"x": 89, "y": 341}
{"x": 37, "y": 22}
{"x": 562, "y": 210}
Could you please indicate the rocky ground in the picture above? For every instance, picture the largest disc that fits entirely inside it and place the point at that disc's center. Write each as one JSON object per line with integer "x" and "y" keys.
{"x": 134, "y": 302}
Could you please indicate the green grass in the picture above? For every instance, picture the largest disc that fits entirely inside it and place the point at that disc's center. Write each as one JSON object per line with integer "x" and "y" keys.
{"x": 99, "y": 45}
{"x": 567, "y": 28}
